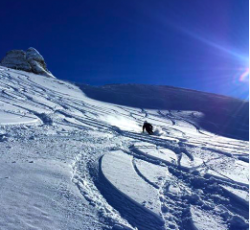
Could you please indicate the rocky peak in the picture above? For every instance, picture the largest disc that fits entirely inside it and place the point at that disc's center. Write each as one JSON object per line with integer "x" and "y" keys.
{"x": 29, "y": 61}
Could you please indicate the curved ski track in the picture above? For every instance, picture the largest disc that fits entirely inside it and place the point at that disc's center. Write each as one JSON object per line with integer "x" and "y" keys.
{"x": 196, "y": 171}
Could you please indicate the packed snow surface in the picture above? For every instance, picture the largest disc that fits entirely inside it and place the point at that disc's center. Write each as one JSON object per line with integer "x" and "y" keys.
{"x": 76, "y": 158}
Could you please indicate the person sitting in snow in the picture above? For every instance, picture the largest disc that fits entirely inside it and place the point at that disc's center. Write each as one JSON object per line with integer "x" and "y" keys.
{"x": 148, "y": 127}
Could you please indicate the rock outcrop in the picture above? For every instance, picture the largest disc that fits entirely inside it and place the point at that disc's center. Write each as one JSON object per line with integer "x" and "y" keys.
{"x": 29, "y": 61}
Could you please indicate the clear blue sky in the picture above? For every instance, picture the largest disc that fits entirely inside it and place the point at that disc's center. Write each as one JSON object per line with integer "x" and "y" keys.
{"x": 197, "y": 44}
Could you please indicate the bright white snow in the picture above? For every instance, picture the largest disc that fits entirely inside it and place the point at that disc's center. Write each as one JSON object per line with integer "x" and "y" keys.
{"x": 69, "y": 161}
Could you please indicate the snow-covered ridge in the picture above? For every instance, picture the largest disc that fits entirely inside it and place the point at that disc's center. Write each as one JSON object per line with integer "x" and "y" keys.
{"x": 223, "y": 115}
{"x": 77, "y": 159}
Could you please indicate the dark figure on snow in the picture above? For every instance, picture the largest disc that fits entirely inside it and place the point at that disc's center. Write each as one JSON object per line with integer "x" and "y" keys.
{"x": 148, "y": 127}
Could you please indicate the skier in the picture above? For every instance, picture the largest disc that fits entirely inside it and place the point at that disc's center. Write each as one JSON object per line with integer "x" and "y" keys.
{"x": 148, "y": 127}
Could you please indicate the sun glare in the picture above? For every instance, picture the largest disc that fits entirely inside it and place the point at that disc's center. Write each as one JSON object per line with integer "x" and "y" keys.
{"x": 244, "y": 77}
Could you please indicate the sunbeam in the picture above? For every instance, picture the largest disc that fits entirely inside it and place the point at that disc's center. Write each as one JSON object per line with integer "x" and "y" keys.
{"x": 215, "y": 45}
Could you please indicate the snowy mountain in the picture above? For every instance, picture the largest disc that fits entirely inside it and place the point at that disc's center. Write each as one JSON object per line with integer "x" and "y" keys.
{"x": 75, "y": 157}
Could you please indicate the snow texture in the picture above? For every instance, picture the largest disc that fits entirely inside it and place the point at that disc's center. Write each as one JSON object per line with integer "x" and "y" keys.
{"x": 76, "y": 157}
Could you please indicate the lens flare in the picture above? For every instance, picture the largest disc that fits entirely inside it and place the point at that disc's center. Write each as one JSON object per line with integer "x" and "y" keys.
{"x": 244, "y": 77}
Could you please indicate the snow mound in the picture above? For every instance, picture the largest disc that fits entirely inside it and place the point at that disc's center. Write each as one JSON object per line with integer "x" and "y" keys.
{"x": 240, "y": 195}
{"x": 202, "y": 219}
{"x": 154, "y": 174}
{"x": 118, "y": 169}
{"x": 150, "y": 150}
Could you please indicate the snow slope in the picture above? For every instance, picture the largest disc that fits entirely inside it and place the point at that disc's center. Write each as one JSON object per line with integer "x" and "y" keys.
{"x": 76, "y": 158}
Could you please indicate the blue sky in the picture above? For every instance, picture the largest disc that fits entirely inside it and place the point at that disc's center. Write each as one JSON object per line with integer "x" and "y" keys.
{"x": 196, "y": 44}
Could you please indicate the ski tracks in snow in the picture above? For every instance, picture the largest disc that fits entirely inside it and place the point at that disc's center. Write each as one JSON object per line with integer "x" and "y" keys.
{"x": 132, "y": 180}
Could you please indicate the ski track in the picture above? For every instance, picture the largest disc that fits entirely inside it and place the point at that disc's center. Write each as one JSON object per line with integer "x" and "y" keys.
{"x": 90, "y": 133}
